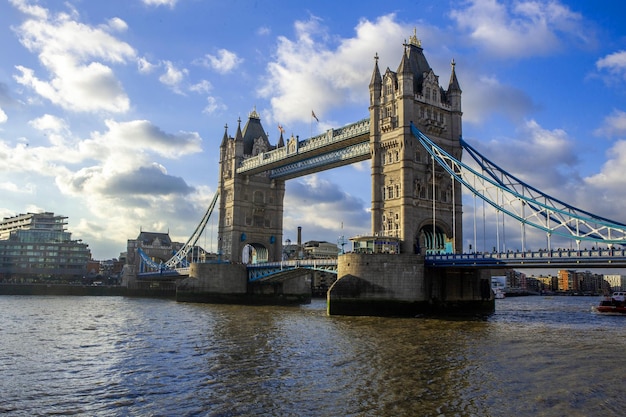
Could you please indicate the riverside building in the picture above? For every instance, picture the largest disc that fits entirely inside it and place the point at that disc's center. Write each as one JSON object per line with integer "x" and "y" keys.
{"x": 36, "y": 247}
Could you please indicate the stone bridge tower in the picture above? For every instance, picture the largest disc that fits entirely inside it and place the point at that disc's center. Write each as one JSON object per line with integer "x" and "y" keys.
{"x": 250, "y": 206}
{"x": 411, "y": 200}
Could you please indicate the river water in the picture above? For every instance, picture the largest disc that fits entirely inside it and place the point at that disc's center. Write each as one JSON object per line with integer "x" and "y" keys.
{"x": 116, "y": 356}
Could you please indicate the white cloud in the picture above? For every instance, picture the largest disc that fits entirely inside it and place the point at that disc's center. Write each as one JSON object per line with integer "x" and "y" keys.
{"x": 170, "y": 3}
{"x": 32, "y": 10}
{"x": 70, "y": 51}
{"x": 300, "y": 78}
{"x": 15, "y": 188}
{"x": 203, "y": 86}
{"x": 485, "y": 96}
{"x": 603, "y": 193}
{"x": 213, "y": 105}
{"x": 48, "y": 122}
{"x": 144, "y": 66}
{"x": 116, "y": 24}
{"x": 521, "y": 28}
{"x": 613, "y": 125}
{"x": 542, "y": 158}
{"x": 3, "y": 116}
{"x": 173, "y": 77}
{"x": 223, "y": 63}
{"x": 614, "y": 63}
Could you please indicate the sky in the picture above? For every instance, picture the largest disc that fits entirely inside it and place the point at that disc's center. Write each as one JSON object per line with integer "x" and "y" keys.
{"x": 111, "y": 113}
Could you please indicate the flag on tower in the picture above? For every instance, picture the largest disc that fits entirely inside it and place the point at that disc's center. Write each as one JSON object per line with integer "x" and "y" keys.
{"x": 281, "y": 129}
{"x": 314, "y": 116}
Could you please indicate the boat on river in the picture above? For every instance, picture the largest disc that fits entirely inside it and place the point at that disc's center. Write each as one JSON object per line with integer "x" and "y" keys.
{"x": 614, "y": 305}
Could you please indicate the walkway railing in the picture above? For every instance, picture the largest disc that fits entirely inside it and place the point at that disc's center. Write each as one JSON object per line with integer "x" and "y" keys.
{"x": 306, "y": 148}
{"x": 597, "y": 258}
{"x": 266, "y": 269}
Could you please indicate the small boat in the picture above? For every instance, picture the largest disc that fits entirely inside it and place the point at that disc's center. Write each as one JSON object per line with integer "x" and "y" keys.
{"x": 614, "y": 305}
{"x": 498, "y": 293}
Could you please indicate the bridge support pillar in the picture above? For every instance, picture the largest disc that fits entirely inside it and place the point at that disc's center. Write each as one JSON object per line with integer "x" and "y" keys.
{"x": 399, "y": 285}
{"x": 214, "y": 283}
{"x": 227, "y": 283}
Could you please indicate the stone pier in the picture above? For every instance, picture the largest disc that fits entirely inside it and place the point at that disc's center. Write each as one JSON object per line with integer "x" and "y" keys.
{"x": 227, "y": 283}
{"x": 380, "y": 284}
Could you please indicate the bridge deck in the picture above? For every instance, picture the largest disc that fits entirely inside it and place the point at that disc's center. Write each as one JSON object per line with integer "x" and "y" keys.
{"x": 335, "y": 147}
{"x": 600, "y": 258}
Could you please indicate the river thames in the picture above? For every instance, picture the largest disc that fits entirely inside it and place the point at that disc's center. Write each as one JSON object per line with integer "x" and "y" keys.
{"x": 116, "y": 356}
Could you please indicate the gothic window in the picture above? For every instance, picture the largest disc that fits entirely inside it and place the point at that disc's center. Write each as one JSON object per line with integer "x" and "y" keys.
{"x": 258, "y": 220}
{"x": 441, "y": 117}
{"x": 248, "y": 220}
{"x": 259, "y": 197}
{"x": 384, "y": 195}
{"x": 397, "y": 156}
{"x": 434, "y": 95}
{"x": 390, "y": 191}
{"x": 389, "y": 113}
{"x": 427, "y": 94}
{"x": 397, "y": 190}
{"x": 422, "y": 113}
{"x": 389, "y": 87}
{"x": 418, "y": 156}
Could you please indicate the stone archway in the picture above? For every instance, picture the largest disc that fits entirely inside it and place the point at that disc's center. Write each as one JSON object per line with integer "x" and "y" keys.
{"x": 253, "y": 253}
{"x": 432, "y": 242}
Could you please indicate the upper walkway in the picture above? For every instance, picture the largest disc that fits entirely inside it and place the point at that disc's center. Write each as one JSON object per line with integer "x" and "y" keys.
{"x": 334, "y": 148}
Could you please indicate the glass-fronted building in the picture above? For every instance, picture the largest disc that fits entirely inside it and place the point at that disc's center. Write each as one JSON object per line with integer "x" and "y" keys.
{"x": 36, "y": 247}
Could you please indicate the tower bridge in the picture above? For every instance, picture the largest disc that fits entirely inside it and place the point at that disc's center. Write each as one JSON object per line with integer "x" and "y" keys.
{"x": 413, "y": 138}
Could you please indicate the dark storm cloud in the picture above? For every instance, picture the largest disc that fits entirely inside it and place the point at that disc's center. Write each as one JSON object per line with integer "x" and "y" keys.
{"x": 147, "y": 181}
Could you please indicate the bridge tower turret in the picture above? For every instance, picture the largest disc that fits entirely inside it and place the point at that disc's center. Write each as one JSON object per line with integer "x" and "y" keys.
{"x": 251, "y": 206}
{"x": 412, "y": 199}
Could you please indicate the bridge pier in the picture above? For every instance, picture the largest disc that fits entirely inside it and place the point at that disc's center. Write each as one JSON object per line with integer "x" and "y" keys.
{"x": 227, "y": 283}
{"x": 379, "y": 284}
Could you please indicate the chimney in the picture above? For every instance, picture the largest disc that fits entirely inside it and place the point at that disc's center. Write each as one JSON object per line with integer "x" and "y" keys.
{"x": 299, "y": 236}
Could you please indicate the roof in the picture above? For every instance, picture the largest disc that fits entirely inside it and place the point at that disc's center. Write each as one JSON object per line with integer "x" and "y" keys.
{"x": 252, "y": 131}
{"x": 148, "y": 238}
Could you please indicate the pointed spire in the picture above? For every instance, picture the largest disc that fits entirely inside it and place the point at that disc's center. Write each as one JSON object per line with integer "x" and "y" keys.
{"x": 225, "y": 138}
{"x": 404, "y": 67}
{"x": 281, "y": 141}
{"x": 239, "y": 135}
{"x": 454, "y": 83}
{"x": 376, "y": 80}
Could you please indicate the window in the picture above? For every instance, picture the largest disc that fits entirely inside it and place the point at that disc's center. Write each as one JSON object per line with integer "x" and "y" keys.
{"x": 388, "y": 87}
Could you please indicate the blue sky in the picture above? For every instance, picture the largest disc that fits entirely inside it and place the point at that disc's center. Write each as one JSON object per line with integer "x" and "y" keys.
{"x": 111, "y": 113}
